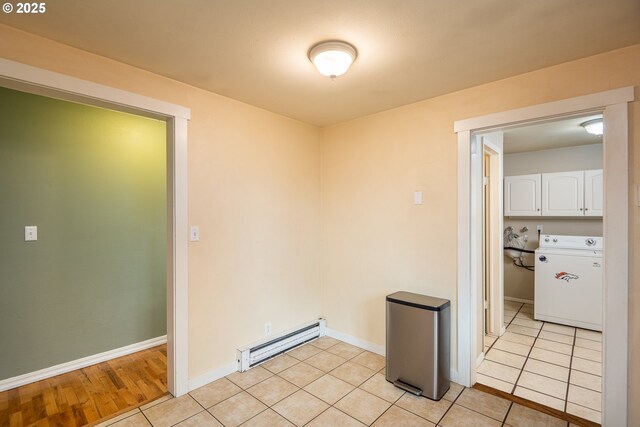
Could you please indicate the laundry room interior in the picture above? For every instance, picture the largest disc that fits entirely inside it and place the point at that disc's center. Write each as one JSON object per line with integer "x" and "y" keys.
{"x": 548, "y": 345}
{"x": 549, "y": 148}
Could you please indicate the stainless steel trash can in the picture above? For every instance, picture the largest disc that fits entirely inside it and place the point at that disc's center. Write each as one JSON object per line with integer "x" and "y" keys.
{"x": 418, "y": 343}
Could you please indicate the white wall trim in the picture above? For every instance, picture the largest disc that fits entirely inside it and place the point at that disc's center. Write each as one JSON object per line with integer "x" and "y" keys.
{"x": 614, "y": 104}
{"x": 616, "y": 266}
{"x": 63, "y": 368}
{"x": 44, "y": 82}
{"x": 493, "y": 145}
{"x": 232, "y": 367}
{"x": 465, "y": 311}
{"x": 541, "y": 111}
{"x": 479, "y": 359}
{"x": 350, "y": 339}
{"x": 522, "y": 300}
{"x": 46, "y": 79}
{"x": 211, "y": 376}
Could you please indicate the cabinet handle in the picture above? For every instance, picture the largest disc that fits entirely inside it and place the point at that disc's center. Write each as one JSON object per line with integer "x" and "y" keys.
{"x": 538, "y": 209}
{"x": 580, "y": 208}
{"x": 586, "y": 209}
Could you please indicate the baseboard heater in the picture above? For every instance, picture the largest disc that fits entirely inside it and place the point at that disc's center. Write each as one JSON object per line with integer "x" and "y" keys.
{"x": 258, "y": 352}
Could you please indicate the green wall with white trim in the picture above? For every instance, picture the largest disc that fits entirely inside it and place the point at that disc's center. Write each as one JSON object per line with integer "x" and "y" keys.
{"x": 94, "y": 183}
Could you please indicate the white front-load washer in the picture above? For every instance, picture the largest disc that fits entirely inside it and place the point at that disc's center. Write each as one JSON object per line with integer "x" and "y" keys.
{"x": 568, "y": 281}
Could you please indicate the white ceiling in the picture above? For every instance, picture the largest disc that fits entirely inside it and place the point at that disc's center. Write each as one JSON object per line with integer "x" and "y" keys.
{"x": 408, "y": 50}
{"x": 548, "y": 135}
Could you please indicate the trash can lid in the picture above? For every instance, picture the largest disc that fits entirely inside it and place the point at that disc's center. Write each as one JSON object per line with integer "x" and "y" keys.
{"x": 419, "y": 301}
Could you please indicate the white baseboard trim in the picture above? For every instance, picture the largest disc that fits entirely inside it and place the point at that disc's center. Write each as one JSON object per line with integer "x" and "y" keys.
{"x": 514, "y": 299}
{"x": 20, "y": 380}
{"x": 374, "y": 348}
{"x": 211, "y": 376}
{"x": 453, "y": 376}
{"x": 232, "y": 367}
{"x": 349, "y": 339}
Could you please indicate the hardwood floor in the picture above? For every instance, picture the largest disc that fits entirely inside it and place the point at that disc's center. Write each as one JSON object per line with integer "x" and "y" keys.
{"x": 88, "y": 395}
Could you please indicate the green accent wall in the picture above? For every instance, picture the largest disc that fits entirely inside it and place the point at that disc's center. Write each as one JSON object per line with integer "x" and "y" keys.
{"x": 94, "y": 183}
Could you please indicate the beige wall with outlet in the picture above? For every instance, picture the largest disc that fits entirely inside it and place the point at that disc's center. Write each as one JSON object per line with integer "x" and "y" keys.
{"x": 518, "y": 281}
{"x": 255, "y": 190}
{"x": 376, "y": 241}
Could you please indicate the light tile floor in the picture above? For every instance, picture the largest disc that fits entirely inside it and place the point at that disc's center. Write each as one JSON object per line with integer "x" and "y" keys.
{"x": 555, "y": 365}
{"x": 326, "y": 383}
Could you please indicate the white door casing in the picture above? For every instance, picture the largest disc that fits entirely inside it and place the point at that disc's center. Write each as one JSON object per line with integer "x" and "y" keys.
{"x": 493, "y": 143}
{"x": 614, "y": 104}
{"x": 35, "y": 80}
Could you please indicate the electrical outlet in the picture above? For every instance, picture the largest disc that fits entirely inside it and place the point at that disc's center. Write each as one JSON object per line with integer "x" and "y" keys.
{"x": 267, "y": 329}
{"x": 539, "y": 228}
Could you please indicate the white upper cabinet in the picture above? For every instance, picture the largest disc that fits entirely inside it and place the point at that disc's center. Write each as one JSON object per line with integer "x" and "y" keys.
{"x": 593, "y": 194}
{"x": 563, "y": 194}
{"x": 577, "y": 193}
{"x": 522, "y": 195}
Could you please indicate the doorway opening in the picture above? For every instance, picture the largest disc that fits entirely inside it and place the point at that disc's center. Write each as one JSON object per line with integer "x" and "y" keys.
{"x": 547, "y": 347}
{"x": 37, "y": 81}
{"x": 91, "y": 279}
{"x": 614, "y": 106}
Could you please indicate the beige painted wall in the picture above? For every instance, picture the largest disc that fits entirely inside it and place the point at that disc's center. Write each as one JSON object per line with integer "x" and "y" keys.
{"x": 376, "y": 242}
{"x": 255, "y": 253}
{"x": 254, "y": 180}
{"x": 519, "y": 282}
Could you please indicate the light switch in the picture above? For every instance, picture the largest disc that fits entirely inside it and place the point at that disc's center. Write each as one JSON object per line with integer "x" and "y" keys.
{"x": 417, "y": 198}
{"x": 194, "y": 234}
{"x": 30, "y": 233}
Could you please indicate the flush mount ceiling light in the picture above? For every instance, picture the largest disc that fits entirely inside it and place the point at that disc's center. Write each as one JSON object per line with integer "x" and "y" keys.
{"x": 332, "y": 58}
{"x": 594, "y": 127}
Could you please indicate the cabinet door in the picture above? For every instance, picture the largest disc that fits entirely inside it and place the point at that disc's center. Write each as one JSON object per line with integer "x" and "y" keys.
{"x": 593, "y": 193}
{"x": 563, "y": 194}
{"x": 522, "y": 195}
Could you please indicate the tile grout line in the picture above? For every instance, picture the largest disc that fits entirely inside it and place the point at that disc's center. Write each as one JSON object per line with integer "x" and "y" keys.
{"x": 475, "y": 410}
{"x": 146, "y": 418}
{"x": 450, "y": 406}
{"x": 586, "y": 407}
{"x": 505, "y": 328}
{"x": 540, "y": 392}
{"x": 522, "y": 369}
{"x": 527, "y": 358}
{"x": 117, "y": 421}
{"x": 566, "y": 396}
{"x": 191, "y": 416}
{"x": 390, "y": 406}
{"x": 330, "y": 406}
{"x": 504, "y": 421}
{"x": 199, "y": 412}
{"x": 311, "y": 394}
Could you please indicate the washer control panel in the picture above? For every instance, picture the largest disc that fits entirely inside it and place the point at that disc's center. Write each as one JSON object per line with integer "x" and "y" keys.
{"x": 571, "y": 242}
